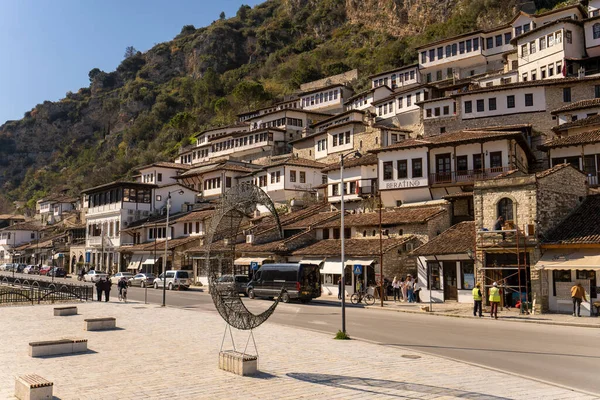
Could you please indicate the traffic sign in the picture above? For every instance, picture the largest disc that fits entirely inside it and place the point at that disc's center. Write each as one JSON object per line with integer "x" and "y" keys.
{"x": 253, "y": 265}
{"x": 358, "y": 269}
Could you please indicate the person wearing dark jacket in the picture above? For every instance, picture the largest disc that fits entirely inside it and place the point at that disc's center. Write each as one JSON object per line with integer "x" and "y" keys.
{"x": 107, "y": 285}
{"x": 99, "y": 288}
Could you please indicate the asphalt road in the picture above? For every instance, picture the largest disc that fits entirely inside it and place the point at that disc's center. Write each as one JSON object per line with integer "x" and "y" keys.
{"x": 568, "y": 356}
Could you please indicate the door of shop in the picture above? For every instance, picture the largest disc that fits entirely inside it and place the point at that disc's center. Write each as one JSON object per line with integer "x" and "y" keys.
{"x": 450, "y": 281}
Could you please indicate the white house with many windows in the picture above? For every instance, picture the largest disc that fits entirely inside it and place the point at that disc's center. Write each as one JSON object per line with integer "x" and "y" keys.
{"x": 360, "y": 181}
{"x": 108, "y": 209}
{"x": 287, "y": 178}
{"x": 397, "y": 78}
{"x": 427, "y": 169}
{"x": 329, "y": 99}
{"x": 15, "y": 235}
{"x": 364, "y": 100}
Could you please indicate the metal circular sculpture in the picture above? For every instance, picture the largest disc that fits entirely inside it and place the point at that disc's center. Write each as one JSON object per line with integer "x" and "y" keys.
{"x": 237, "y": 203}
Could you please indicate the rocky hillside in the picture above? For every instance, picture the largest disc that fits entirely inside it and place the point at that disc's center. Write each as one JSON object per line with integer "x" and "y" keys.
{"x": 155, "y": 101}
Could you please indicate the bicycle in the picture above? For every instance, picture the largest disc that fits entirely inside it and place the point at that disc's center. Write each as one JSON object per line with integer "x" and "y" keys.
{"x": 362, "y": 296}
{"x": 123, "y": 295}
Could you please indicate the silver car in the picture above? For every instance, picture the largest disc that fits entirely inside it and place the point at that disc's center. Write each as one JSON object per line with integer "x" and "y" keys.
{"x": 175, "y": 279}
{"x": 142, "y": 280}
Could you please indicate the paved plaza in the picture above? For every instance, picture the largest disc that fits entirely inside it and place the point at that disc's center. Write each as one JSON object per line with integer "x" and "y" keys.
{"x": 172, "y": 353}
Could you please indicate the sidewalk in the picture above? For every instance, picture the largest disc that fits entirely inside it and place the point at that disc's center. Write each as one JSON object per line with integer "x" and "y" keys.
{"x": 465, "y": 310}
{"x": 162, "y": 353}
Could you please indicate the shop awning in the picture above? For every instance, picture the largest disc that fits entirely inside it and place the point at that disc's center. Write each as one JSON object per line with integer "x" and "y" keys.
{"x": 56, "y": 256}
{"x": 312, "y": 260}
{"x": 581, "y": 259}
{"x": 135, "y": 262}
{"x": 352, "y": 261}
{"x": 148, "y": 260}
{"x": 249, "y": 260}
{"x": 331, "y": 267}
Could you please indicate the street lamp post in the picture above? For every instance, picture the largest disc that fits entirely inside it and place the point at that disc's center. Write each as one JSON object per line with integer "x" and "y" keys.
{"x": 164, "y": 302}
{"x": 343, "y": 189}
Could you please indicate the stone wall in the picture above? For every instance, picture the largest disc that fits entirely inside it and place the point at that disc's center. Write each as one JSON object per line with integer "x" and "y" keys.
{"x": 339, "y": 79}
{"x": 558, "y": 195}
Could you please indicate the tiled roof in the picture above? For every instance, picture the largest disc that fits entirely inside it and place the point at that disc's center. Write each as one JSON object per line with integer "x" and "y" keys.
{"x": 554, "y": 169}
{"x": 198, "y": 215}
{"x": 507, "y": 174}
{"x": 369, "y": 159}
{"x": 11, "y": 216}
{"x": 297, "y": 162}
{"x": 464, "y": 136}
{"x": 573, "y": 140}
{"x": 578, "y": 105}
{"x": 536, "y": 83}
{"x": 159, "y": 245}
{"x": 581, "y": 227}
{"x": 119, "y": 184}
{"x": 312, "y": 220}
{"x": 352, "y": 247}
{"x": 23, "y": 226}
{"x": 285, "y": 219}
{"x": 457, "y": 195}
{"x": 457, "y": 239}
{"x": 402, "y": 215}
{"x": 389, "y": 71}
{"x": 165, "y": 164}
{"x": 226, "y": 166}
{"x": 593, "y": 120}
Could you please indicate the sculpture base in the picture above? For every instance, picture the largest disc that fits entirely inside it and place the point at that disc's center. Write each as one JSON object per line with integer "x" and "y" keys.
{"x": 238, "y": 363}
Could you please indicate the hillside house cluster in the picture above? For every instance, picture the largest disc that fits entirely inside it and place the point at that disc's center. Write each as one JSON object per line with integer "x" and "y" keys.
{"x": 498, "y": 122}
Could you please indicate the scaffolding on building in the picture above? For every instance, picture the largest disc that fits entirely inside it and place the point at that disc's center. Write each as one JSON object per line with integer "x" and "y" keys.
{"x": 509, "y": 241}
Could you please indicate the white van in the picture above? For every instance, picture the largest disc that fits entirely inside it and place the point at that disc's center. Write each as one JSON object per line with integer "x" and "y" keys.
{"x": 175, "y": 279}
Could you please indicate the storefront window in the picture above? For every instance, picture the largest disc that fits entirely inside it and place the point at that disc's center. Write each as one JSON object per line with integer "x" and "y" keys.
{"x": 435, "y": 282}
{"x": 563, "y": 275}
{"x": 467, "y": 271}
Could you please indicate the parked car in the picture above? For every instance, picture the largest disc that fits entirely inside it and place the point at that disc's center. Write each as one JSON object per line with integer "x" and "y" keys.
{"x": 20, "y": 267}
{"x": 299, "y": 281}
{"x": 45, "y": 269}
{"x": 58, "y": 272}
{"x": 117, "y": 277}
{"x": 94, "y": 276}
{"x": 142, "y": 280}
{"x": 175, "y": 279}
{"x": 31, "y": 269}
{"x": 3, "y": 267}
{"x": 238, "y": 282}
{"x": 10, "y": 267}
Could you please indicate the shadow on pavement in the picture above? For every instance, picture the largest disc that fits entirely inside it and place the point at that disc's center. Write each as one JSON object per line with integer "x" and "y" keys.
{"x": 540, "y": 353}
{"x": 83, "y": 353}
{"x": 371, "y": 387}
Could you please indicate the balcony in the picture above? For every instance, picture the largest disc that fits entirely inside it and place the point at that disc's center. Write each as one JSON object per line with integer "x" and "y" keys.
{"x": 466, "y": 177}
{"x": 522, "y": 237}
{"x": 592, "y": 180}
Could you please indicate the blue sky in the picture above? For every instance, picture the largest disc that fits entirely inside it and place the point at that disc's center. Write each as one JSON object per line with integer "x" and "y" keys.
{"x": 47, "y": 47}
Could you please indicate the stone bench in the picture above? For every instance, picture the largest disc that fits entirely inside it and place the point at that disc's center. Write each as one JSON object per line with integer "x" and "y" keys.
{"x": 238, "y": 363}
{"x": 57, "y": 347}
{"x": 62, "y": 311}
{"x": 33, "y": 387}
{"x": 99, "y": 324}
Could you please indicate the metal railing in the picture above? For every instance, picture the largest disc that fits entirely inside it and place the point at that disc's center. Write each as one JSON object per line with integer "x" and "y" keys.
{"x": 15, "y": 290}
{"x": 592, "y": 180}
{"x": 466, "y": 176}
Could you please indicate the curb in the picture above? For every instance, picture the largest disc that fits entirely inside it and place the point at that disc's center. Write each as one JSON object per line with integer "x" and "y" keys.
{"x": 437, "y": 314}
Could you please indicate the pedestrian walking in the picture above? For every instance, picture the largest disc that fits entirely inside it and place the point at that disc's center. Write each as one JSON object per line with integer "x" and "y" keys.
{"x": 577, "y": 294}
{"x": 494, "y": 300}
{"x": 396, "y": 286}
{"x": 410, "y": 289}
{"x": 477, "y": 298}
{"x": 99, "y": 288}
{"x": 339, "y": 288}
{"x": 107, "y": 285}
